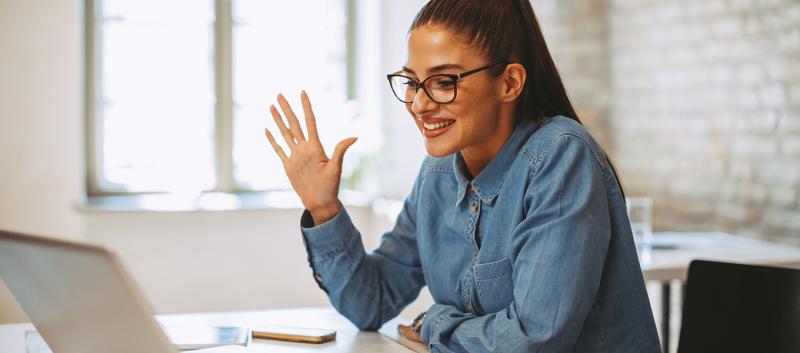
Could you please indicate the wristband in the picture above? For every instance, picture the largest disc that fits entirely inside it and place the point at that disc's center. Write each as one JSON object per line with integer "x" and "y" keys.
{"x": 416, "y": 325}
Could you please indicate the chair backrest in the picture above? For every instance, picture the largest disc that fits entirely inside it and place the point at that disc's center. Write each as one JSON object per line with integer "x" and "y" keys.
{"x": 735, "y": 308}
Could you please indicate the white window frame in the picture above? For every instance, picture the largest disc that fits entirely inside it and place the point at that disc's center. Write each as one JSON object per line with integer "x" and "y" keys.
{"x": 96, "y": 185}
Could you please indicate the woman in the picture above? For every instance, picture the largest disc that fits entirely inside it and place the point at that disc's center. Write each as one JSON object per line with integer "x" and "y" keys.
{"x": 516, "y": 221}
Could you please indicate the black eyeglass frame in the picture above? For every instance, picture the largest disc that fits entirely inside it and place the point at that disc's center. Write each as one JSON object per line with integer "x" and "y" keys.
{"x": 454, "y": 77}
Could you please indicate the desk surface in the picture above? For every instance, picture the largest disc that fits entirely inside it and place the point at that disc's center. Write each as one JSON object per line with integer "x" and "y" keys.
{"x": 348, "y": 338}
{"x": 672, "y": 252}
{"x": 667, "y": 260}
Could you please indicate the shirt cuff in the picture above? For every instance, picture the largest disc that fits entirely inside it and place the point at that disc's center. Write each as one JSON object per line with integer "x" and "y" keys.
{"x": 430, "y": 326}
{"x": 326, "y": 240}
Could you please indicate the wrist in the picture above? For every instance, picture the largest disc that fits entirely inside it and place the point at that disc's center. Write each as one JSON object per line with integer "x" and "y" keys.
{"x": 416, "y": 325}
{"x": 323, "y": 214}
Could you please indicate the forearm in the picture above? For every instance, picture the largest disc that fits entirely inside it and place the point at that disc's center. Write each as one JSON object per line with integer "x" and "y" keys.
{"x": 367, "y": 289}
{"x": 447, "y": 329}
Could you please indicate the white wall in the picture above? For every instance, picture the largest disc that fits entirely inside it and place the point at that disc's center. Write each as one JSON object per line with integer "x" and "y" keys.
{"x": 41, "y": 122}
{"x": 183, "y": 261}
{"x": 208, "y": 261}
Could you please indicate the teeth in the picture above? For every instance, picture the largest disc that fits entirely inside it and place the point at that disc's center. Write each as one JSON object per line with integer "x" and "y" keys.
{"x": 437, "y": 125}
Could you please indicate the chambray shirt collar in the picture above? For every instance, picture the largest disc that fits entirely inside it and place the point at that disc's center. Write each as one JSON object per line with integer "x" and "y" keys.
{"x": 490, "y": 180}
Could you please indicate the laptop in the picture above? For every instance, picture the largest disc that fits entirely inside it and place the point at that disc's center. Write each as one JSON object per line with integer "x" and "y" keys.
{"x": 81, "y": 299}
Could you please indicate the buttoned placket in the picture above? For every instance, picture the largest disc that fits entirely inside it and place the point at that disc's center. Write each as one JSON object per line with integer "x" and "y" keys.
{"x": 473, "y": 215}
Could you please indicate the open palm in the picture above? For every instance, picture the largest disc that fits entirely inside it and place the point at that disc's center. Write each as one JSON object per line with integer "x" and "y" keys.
{"x": 314, "y": 177}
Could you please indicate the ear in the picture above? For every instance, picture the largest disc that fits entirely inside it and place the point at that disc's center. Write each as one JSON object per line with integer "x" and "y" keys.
{"x": 512, "y": 81}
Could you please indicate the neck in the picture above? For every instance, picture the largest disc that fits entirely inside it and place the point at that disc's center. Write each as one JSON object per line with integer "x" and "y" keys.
{"x": 478, "y": 157}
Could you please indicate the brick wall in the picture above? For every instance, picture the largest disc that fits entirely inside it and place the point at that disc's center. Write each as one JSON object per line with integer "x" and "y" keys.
{"x": 578, "y": 40}
{"x": 697, "y": 101}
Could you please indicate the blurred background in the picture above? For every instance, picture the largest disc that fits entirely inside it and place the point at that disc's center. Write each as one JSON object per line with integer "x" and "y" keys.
{"x": 139, "y": 125}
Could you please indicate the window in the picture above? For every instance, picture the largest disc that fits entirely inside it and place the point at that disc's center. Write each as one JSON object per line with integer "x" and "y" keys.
{"x": 178, "y": 90}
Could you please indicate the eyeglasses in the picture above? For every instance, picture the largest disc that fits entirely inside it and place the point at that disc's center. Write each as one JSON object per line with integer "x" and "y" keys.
{"x": 440, "y": 88}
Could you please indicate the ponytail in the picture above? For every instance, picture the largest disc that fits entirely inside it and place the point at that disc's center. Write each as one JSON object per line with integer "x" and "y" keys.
{"x": 508, "y": 31}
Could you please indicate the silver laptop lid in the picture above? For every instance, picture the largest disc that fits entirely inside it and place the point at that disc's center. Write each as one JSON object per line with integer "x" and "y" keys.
{"x": 79, "y": 296}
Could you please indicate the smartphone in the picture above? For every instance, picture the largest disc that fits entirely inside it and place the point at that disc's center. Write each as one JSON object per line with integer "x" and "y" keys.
{"x": 294, "y": 334}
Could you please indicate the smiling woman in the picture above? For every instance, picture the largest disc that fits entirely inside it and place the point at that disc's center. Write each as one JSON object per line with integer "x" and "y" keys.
{"x": 516, "y": 221}
{"x": 481, "y": 119}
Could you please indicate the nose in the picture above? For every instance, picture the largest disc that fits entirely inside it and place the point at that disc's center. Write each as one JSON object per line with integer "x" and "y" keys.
{"x": 422, "y": 103}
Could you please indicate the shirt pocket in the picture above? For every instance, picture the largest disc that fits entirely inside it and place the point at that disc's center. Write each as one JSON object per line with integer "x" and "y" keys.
{"x": 494, "y": 285}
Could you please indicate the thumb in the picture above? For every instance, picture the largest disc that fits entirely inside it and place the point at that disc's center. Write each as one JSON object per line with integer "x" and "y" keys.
{"x": 341, "y": 148}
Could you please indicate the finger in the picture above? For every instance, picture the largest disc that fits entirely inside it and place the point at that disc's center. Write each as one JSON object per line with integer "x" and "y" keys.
{"x": 275, "y": 146}
{"x": 402, "y": 329}
{"x": 408, "y": 332}
{"x": 341, "y": 148}
{"x": 294, "y": 125}
{"x": 287, "y": 136}
{"x": 311, "y": 121}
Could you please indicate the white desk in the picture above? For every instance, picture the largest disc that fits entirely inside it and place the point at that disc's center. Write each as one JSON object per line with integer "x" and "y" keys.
{"x": 348, "y": 338}
{"x": 668, "y": 260}
{"x": 658, "y": 264}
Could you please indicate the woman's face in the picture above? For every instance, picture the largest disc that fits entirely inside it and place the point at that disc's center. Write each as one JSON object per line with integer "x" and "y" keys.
{"x": 470, "y": 122}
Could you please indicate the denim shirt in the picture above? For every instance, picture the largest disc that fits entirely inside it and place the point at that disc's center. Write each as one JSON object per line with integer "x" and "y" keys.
{"x": 535, "y": 254}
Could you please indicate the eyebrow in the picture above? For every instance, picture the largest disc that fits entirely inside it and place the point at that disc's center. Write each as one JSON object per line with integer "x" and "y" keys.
{"x": 437, "y": 68}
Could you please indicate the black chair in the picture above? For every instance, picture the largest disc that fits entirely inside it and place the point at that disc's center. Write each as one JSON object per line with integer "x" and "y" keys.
{"x": 734, "y": 308}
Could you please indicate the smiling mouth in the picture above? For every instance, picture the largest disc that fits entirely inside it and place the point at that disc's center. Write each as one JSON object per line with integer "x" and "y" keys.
{"x": 437, "y": 126}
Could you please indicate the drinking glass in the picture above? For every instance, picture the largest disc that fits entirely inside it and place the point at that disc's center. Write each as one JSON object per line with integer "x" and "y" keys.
{"x": 640, "y": 214}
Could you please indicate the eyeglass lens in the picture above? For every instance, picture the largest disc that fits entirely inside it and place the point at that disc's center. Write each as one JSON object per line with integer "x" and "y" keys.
{"x": 440, "y": 88}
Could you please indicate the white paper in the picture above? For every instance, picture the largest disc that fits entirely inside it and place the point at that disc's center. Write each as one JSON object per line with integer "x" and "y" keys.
{"x": 12, "y": 337}
{"x": 35, "y": 343}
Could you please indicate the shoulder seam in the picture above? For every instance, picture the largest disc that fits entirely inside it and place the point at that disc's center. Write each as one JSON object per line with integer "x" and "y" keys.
{"x": 534, "y": 161}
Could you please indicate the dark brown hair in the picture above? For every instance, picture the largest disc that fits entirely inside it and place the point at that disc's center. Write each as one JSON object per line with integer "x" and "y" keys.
{"x": 508, "y": 31}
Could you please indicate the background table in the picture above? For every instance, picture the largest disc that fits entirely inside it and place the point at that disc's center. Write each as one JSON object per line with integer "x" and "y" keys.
{"x": 668, "y": 259}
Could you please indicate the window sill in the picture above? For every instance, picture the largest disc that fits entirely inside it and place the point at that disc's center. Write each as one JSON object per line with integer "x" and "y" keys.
{"x": 214, "y": 202}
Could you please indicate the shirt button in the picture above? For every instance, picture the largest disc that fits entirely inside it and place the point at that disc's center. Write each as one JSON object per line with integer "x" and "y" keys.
{"x": 469, "y": 307}
{"x": 474, "y": 207}
{"x": 318, "y": 278}
{"x": 471, "y": 189}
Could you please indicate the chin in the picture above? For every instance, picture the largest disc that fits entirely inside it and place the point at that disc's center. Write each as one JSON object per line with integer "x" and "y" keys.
{"x": 439, "y": 151}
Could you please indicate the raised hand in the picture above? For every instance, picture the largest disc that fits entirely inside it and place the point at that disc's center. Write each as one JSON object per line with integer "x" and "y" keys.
{"x": 314, "y": 177}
